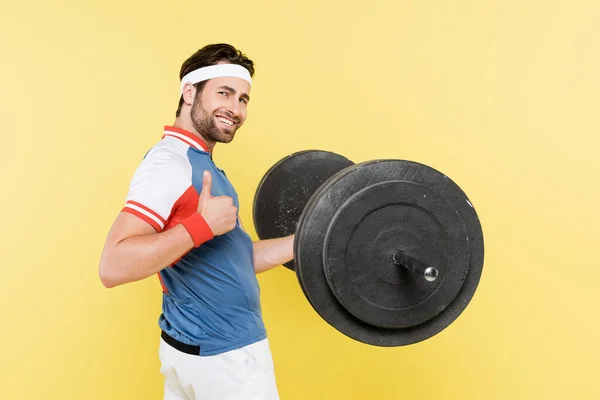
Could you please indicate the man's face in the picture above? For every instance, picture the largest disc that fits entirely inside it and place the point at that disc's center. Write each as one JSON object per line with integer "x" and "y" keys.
{"x": 220, "y": 109}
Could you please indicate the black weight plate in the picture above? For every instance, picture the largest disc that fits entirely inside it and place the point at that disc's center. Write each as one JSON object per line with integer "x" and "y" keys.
{"x": 362, "y": 238}
{"x": 306, "y": 212}
{"x": 314, "y": 225}
{"x": 287, "y": 186}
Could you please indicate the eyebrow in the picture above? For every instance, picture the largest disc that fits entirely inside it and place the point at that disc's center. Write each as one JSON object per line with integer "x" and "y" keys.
{"x": 232, "y": 91}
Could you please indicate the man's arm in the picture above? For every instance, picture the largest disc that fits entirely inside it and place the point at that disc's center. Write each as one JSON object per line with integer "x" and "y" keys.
{"x": 134, "y": 250}
{"x": 271, "y": 253}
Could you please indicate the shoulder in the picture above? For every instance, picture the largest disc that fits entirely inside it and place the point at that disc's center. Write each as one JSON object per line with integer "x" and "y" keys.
{"x": 165, "y": 161}
{"x": 162, "y": 178}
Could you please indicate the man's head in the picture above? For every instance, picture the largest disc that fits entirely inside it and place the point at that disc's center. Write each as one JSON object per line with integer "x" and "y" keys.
{"x": 214, "y": 99}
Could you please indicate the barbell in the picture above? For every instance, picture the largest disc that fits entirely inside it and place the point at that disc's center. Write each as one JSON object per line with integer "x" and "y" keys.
{"x": 388, "y": 252}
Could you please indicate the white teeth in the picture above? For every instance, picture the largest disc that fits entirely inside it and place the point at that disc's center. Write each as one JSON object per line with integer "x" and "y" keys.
{"x": 225, "y": 121}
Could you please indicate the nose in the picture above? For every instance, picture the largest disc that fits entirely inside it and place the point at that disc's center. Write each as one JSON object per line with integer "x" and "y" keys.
{"x": 233, "y": 106}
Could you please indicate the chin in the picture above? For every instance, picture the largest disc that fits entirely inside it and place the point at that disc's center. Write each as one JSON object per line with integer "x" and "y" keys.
{"x": 226, "y": 136}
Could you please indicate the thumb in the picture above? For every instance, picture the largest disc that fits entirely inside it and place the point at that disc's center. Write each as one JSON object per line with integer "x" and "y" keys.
{"x": 206, "y": 186}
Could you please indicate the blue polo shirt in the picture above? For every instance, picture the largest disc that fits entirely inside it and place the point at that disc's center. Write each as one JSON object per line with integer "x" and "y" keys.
{"x": 211, "y": 296}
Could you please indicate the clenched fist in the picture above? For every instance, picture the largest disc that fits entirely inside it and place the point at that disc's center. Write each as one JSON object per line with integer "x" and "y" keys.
{"x": 219, "y": 212}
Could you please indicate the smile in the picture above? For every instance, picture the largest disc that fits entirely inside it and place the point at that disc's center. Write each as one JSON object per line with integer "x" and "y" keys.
{"x": 224, "y": 120}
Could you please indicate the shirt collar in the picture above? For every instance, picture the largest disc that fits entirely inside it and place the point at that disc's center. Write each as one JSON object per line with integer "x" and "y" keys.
{"x": 186, "y": 136}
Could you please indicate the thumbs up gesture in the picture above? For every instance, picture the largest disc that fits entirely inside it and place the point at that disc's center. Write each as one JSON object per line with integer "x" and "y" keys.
{"x": 219, "y": 212}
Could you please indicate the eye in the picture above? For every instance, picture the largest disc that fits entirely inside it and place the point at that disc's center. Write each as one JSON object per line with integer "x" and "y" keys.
{"x": 243, "y": 101}
{"x": 224, "y": 93}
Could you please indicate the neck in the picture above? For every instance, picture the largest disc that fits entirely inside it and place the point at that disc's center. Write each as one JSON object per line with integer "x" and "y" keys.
{"x": 188, "y": 126}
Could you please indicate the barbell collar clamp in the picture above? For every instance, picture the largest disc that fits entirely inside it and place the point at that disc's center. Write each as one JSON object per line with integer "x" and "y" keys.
{"x": 415, "y": 266}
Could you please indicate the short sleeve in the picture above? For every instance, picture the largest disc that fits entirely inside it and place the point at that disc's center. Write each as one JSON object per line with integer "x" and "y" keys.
{"x": 161, "y": 179}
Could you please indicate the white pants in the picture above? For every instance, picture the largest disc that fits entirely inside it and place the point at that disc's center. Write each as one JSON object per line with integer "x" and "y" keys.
{"x": 244, "y": 374}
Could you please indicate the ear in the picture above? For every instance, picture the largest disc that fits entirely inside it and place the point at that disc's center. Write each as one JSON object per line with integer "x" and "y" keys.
{"x": 189, "y": 92}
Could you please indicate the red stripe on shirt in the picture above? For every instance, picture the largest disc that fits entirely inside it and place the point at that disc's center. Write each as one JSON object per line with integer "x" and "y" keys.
{"x": 135, "y": 203}
{"x": 144, "y": 217}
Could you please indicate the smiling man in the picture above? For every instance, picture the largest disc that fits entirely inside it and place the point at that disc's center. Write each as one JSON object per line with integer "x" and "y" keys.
{"x": 180, "y": 222}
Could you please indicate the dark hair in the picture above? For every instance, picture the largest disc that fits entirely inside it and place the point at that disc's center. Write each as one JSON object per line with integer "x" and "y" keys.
{"x": 211, "y": 55}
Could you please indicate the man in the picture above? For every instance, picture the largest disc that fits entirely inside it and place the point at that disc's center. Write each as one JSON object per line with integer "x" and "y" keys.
{"x": 180, "y": 221}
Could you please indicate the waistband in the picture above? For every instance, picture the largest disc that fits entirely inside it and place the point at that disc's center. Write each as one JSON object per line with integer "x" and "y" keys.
{"x": 183, "y": 347}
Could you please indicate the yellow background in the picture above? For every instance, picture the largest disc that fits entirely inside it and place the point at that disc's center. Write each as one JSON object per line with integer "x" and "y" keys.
{"x": 500, "y": 95}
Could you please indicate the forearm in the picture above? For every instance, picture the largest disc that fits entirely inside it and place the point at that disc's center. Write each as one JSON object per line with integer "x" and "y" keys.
{"x": 271, "y": 253}
{"x": 139, "y": 257}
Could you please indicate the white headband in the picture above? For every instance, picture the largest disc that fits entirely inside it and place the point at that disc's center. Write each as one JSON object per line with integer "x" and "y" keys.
{"x": 216, "y": 71}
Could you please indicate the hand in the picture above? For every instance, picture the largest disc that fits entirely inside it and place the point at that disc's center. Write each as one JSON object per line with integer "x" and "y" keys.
{"x": 219, "y": 212}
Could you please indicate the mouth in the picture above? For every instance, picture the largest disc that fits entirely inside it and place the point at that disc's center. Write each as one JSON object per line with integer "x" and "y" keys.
{"x": 225, "y": 121}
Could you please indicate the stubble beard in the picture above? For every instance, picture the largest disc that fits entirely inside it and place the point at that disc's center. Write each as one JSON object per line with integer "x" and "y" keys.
{"x": 204, "y": 123}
